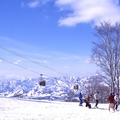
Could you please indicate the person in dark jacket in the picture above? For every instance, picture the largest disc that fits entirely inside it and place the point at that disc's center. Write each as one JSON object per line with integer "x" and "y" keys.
{"x": 87, "y": 100}
{"x": 80, "y": 99}
{"x": 111, "y": 102}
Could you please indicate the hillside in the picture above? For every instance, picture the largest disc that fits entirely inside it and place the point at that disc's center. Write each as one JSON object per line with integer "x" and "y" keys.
{"x": 56, "y": 88}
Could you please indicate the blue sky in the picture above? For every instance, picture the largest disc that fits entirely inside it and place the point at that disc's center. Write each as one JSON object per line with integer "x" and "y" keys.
{"x": 57, "y": 34}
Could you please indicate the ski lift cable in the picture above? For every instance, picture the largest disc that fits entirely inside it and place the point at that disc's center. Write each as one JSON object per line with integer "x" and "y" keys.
{"x": 19, "y": 65}
{"x": 42, "y": 82}
{"x": 33, "y": 61}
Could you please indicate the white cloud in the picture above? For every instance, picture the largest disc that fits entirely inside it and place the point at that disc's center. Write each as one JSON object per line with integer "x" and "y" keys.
{"x": 0, "y": 60}
{"x": 66, "y": 67}
{"x": 87, "y": 61}
{"x": 36, "y": 3}
{"x": 33, "y": 4}
{"x": 45, "y": 61}
{"x": 17, "y": 62}
{"x": 88, "y": 11}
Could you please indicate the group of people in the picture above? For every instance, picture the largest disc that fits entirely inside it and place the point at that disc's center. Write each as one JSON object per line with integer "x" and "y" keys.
{"x": 113, "y": 100}
{"x": 87, "y": 99}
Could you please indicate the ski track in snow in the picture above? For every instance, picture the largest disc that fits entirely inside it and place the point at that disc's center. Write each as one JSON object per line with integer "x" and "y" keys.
{"x": 19, "y": 109}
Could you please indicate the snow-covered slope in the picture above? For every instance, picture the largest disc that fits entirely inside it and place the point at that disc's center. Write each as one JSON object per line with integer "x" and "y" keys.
{"x": 15, "y": 109}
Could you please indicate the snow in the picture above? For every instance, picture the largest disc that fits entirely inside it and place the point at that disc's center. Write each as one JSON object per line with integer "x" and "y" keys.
{"x": 19, "y": 109}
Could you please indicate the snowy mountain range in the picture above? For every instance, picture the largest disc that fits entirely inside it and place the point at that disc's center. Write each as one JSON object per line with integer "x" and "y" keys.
{"x": 56, "y": 88}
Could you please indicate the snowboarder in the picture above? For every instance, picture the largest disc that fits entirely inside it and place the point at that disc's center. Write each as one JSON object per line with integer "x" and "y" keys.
{"x": 96, "y": 97}
{"x": 87, "y": 101}
{"x": 80, "y": 99}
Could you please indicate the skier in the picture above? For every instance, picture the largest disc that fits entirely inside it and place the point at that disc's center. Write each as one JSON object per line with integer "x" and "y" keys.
{"x": 80, "y": 99}
{"x": 96, "y": 97}
{"x": 87, "y": 101}
{"x": 116, "y": 97}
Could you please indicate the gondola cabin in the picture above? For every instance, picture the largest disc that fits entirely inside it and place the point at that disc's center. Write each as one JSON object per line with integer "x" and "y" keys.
{"x": 76, "y": 87}
{"x": 42, "y": 83}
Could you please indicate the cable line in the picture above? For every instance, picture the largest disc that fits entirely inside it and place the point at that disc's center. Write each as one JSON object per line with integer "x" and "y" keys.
{"x": 33, "y": 61}
{"x": 20, "y": 66}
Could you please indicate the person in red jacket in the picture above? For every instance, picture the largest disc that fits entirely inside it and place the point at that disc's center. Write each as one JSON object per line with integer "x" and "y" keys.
{"x": 87, "y": 100}
{"x": 111, "y": 102}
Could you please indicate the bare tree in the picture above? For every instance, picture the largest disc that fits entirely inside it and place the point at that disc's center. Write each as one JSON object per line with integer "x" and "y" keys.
{"x": 106, "y": 51}
{"x": 96, "y": 83}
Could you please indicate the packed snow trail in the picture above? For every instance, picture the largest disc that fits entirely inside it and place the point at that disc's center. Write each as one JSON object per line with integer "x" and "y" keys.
{"x": 16, "y": 109}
